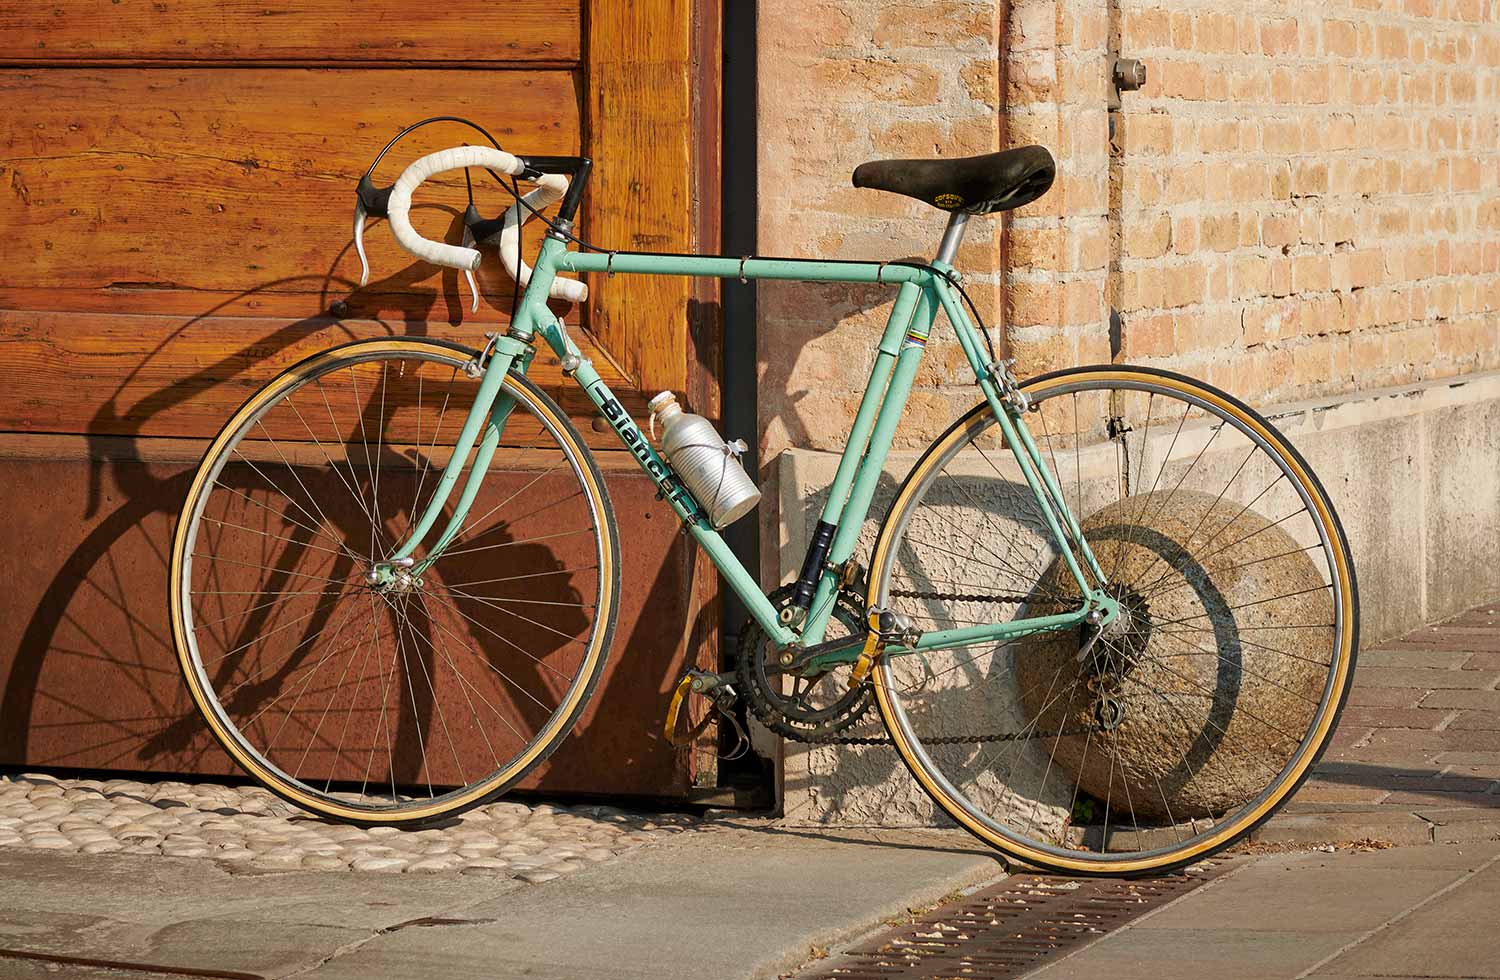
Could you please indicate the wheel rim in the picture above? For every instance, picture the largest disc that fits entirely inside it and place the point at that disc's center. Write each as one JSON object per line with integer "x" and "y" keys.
{"x": 1055, "y": 832}
{"x": 416, "y": 698}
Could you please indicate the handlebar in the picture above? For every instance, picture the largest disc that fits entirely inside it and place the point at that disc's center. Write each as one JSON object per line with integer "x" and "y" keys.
{"x": 395, "y": 204}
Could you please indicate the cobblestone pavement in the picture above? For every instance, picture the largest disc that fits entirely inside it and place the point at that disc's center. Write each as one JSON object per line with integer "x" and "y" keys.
{"x": 248, "y": 828}
{"x": 1416, "y": 757}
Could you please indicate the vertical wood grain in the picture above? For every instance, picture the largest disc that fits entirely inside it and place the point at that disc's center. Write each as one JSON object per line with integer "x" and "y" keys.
{"x": 639, "y": 117}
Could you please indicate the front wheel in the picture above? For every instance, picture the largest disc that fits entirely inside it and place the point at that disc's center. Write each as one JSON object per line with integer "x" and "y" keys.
{"x": 406, "y": 699}
{"x": 1194, "y": 715}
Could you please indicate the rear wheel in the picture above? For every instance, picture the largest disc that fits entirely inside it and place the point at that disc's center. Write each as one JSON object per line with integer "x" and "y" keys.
{"x": 418, "y": 697}
{"x": 1195, "y": 715}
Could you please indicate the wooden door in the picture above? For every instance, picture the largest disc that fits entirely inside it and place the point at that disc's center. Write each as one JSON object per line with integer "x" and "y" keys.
{"x": 180, "y": 182}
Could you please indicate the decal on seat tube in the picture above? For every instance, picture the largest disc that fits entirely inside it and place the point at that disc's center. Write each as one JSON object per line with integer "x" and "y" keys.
{"x": 651, "y": 462}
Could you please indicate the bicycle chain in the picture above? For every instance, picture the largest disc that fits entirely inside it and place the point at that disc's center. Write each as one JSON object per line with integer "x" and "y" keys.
{"x": 999, "y": 600}
{"x": 1013, "y": 600}
{"x": 943, "y": 740}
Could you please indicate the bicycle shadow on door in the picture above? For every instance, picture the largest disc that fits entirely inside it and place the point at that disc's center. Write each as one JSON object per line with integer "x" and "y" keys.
{"x": 95, "y": 681}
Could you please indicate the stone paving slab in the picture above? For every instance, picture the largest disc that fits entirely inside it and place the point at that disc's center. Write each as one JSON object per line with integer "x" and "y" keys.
{"x": 246, "y": 828}
{"x": 1417, "y": 755}
{"x": 1400, "y": 912}
{"x": 736, "y": 899}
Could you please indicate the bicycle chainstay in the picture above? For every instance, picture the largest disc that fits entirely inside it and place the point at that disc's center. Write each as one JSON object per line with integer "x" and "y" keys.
{"x": 1013, "y": 600}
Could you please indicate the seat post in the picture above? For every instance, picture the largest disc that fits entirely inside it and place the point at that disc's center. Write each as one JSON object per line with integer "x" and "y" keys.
{"x": 953, "y": 236}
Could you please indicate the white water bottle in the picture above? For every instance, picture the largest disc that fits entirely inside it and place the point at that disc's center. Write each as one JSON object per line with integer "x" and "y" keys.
{"x": 704, "y": 462}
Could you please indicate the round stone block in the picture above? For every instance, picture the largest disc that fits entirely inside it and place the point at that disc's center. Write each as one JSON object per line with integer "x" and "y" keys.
{"x": 1214, "y": 697}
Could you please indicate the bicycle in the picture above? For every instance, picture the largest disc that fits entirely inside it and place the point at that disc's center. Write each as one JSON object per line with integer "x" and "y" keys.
{"x": 1122, "y": 692}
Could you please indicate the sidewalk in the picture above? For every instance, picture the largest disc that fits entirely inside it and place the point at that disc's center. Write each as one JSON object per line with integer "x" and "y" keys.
{"x": 1406, "y": 912}
{"x": 728, "y": 899}
{"x": 1416, "y": 758}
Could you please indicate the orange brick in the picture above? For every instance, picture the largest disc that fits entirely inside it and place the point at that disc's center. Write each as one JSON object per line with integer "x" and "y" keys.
{"x": 1031, "y": 303}
{"x": 1215, "y": 33}
{"x": 1221, "y": 232}
{"x": 1281, "y": 276}
{"x": 1310, "y": 179}
{"x": 1184, "y": 284}
{"x": 1082, "y": 302}
{"x": 1278, "y": 36}
{"x": 1278, "y": 230}
{"x": 1148, "y": 28}
{"x": 1281, "y": 136}
{"x": 1148, "y": 237}
{"x": 1149, "y": 336}
{"x": 1252, "y": 277}
{"x": 1181, "y": 79}
{"x": 982, "y": 80}
{"x": 1142, "y": 289}
{"x": 901, "y": 83}
{"x": 929, "y": 23}
{"x": 1392, "y": 43}
{"x": 1341, "y": 38}
{"x": 1312, "y": 363}
{"x": 1185, "y": 235}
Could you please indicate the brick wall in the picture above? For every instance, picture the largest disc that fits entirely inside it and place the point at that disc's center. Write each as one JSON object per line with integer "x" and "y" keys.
{"x": 1309, "y": 193}
{"x": 1304, "y": 200}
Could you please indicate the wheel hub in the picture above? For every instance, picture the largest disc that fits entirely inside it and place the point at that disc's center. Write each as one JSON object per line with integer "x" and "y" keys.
{"x": 1123, "y": 641}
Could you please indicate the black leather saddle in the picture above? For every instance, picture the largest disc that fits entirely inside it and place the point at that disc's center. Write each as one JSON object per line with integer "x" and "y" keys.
{"x": 979, "y": 185}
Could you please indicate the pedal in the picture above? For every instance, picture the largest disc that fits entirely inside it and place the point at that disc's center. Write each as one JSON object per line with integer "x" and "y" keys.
{"x": 695, "y": 681}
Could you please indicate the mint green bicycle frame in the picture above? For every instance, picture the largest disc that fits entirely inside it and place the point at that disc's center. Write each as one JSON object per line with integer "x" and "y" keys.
{"x": 922, "y": 293}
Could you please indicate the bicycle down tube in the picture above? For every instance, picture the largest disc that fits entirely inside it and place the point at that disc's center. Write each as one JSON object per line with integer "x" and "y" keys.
{"x": 920, "y": 296}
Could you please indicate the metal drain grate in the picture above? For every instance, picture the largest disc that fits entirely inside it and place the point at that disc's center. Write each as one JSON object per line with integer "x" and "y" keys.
{"x": 1010, "y": 928}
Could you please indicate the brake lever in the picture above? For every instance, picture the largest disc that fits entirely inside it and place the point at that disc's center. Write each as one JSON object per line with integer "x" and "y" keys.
{"x": 370, "y": 201}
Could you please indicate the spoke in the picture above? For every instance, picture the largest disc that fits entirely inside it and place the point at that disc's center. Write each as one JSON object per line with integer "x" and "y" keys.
{"x": 1227, "y": 524}
{"x": 348, "y": 456}
{"x": 539, "y": 662}
{"x": 364, "y": 441}
{"x": 432, "y": 448}
{"x": 1243, "y": 605}
{"x": 509, "y": 544}
{"x": 305, "y": 681}
{"x": 322, "y": 517}
{"x": 500, "y": 673}
{"x": 359, "y": 501}
{"x": 465, "y": 685}
{"x": 279, "y": 515}
{"x": 1240, "y": 639}
{"x": 1237, "y": 665}
{"x": 272, "y": 568}
{"x": 1237, "y": 707}
{"x": 513, "y": 578}
{"x": 1167, "y": 589}
{"x": 275, "y": 537}
{"x": 338, "y": 754}
{"x": 411, "y": 691}
{"x": 261, "y": 636}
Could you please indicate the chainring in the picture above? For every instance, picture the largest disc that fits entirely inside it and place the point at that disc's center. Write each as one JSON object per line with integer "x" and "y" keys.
{"x": 794, "y": 715}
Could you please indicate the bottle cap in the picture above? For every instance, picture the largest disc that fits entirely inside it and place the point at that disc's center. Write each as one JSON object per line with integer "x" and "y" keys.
{"x": 661, "y": 401}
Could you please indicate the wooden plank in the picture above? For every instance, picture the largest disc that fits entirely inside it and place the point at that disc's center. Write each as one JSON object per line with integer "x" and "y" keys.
{"x": 705, "y": 333}
{"x": 309, "y": 30}
{"x": 92, "y": 678}
{"x": 161, "y": 376}
{"x": 638, "y": 90}
{"x": 234, "y": 179}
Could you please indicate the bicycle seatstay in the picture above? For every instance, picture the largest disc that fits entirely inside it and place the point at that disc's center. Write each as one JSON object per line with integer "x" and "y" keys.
{"x": 922, "y": 293}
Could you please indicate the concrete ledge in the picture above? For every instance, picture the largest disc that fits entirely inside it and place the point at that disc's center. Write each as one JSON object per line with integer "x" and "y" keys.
{"x": 1414, "y": 473}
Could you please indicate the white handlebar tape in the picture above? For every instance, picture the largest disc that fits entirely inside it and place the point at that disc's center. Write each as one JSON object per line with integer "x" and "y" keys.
{"x": 454, "y": 158}
{"x": 550, "y": 189}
